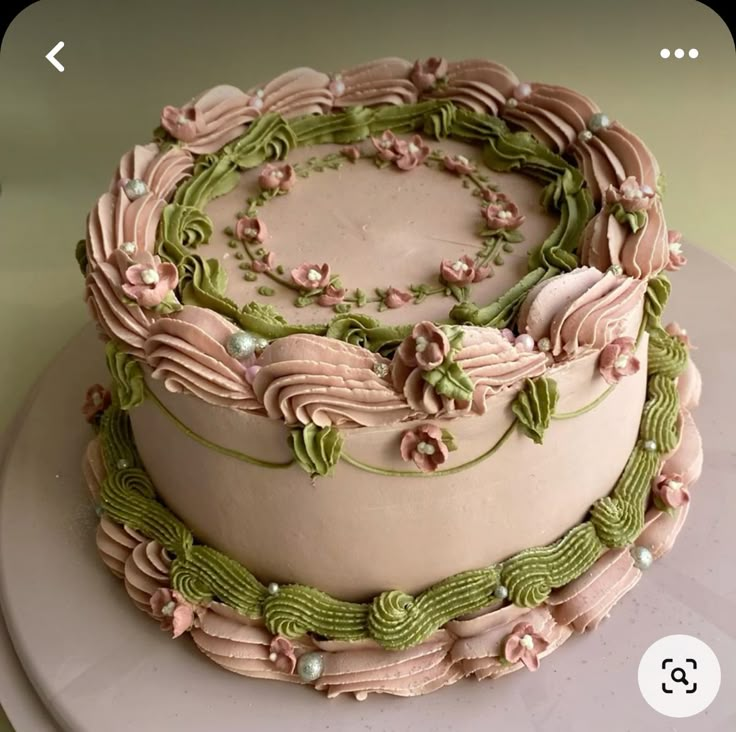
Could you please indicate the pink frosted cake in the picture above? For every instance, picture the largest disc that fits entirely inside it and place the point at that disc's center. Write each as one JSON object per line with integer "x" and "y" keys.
{"x": 391, "y": 399}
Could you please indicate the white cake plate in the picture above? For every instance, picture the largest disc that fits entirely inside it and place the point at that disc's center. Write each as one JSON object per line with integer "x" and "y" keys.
{"x": 98, "y": 663}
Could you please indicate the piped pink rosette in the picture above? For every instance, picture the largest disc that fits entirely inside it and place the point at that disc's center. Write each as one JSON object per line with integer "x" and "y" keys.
{"x": 187, "y": 352}
{"x": 292, "y": 94}
{"x": 582, "y": 310}
{"x": 384, "y": 81}
{"x": 487, "y": 357}
{"x": 304, "y": 378}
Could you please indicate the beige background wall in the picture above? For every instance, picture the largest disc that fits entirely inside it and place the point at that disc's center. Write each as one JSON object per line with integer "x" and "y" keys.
{"x": 61, "y": 135}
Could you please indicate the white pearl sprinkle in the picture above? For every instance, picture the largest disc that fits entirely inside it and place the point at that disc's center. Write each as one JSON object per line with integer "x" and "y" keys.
{"x": 505, "y": 214}
{"x": 181, "y": 120}
{"x": 251, "y": 233}
{"x": 128, "y": 247}
{"x": 413, "y": 149}
{"x": 649, "y": 445}
{"x": 135, "y": 188}
{"x": 585, "y": 136}
{"x": 338, "y": 87}
{"x": 273, "y": 657}
{"x": 522, "y": 90}
{"x": 598, "y": 121}
{"x": 150, "y": 276}
{"x": 168, "y": 608}
{"x": 501, "y": 592}
{"x": 122, "y": 464}
{"x": 386, "y": 144}
{"x": 512, "y": 103}
{"x": 642, "y": 557}
{"x": 278, "y": 174}
{"x": 462, "y": 159}
{"x": 460, "y": 266}
{"x": 314, "y": 275}
{"x": 527, "y": 641}
{"x": 621, "y": 362}
{"x": 676, "y": 247}
{"x": 420, "y": 344}
{"x": 524, "y": 342}
{"x": 380, "y": 369}
{"x": 260, "y": 93}
{"x": 273, "y": 588}
{"x": 616, "y": 269}
{"x": 544, "y": 344}
{"x": 241, "y": 344}
{"x": 426, "y": 448}
{"x": 676, "y": 485}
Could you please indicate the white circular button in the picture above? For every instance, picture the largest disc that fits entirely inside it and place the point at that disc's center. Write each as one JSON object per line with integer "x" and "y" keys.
{"x": 693, "y": 53}
{"x": 665, "y": 53}
{"x": 679, "y": 53}
{"x": 679, "y": 676}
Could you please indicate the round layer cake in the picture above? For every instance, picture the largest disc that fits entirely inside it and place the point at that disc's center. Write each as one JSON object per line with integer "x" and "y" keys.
{"x": 391, "y": 403}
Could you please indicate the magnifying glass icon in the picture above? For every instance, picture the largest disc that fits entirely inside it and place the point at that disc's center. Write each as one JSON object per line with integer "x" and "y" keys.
{"x": 678, "y": 676}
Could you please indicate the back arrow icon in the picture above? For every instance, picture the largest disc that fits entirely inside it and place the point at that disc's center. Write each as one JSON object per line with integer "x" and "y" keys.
{"x": 51, "y": 56}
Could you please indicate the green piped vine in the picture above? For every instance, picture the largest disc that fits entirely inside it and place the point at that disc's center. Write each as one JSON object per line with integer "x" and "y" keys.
{"x": 185, "y": 227}
{"x": 395, "y": 619}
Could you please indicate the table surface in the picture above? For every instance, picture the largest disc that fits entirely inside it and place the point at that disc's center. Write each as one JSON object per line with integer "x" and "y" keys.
{"x": 110, "y": 657}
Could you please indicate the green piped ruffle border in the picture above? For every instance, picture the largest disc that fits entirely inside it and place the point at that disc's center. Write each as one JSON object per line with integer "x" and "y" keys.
{"x": 395, "y": 619}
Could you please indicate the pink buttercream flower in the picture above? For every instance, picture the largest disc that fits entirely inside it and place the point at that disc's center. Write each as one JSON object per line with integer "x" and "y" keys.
{"x": 265, "y": 263}
{"x": 458, "y": 164}
{"x": 677, "y": 331}
{"x": 631, "y": 195}
{"x": 311, "y": 276}
{"x": 174, "y": 612}
{"x": 462, "y": 271}
{"x": 96, "y": 401}
{"x": 351, "y": 152}
{"x": 425, "y": 74}
{"x": 282, "y": 654}
{"x": 426, "y": 348}
{"x": 425, "y": 447}
{"x": 677, "y": 258}
{"x": 149, "y": 280}
{"x": 331, "y": 296}
{"x": 669, "y": 491}
{"x": 617, "y": 360}
{"x": 251, "y": 228}
{"x": 183, "y": 123}
{"x": 395, "y": 298}
{"x": 411, "y": 153}
{"x": 277, "y": 177}
{"x": 386, "y": 145}
{"x": 500, "y": 213}
{"x": 524, "y": 644}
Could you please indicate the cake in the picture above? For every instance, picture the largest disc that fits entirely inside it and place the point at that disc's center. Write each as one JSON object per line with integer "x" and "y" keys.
{"x": 391, "y": 402}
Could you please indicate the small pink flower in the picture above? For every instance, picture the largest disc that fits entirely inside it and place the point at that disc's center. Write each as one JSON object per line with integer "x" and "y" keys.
{"x": 251, "y": 229}
{"x": 282, "y": 655}
{"x": 425, "y": 74}
{"x": 395, "y": 298}
{"x": 462, "y": 271}
{"x": 351, "y": 152}
{"x": 174, "y": 612}
{"x": 149, "y": 280}
{"x": 669, "y": 491}
{"x": 386, "y": 145}
{"x": 411, "y": 153}
{"x": 458, "y": 164}
{"x": 331, "y": 296}
{"x": 631, "y": 195}
{"x": 424, "y": 446}
{"x": 427, "y": 347}
{"x": 675, "y": 330}
{"x": 265, "y": 263}
{"x": 277, "y": 177}
{"x": 500, "y": 213}
{"x": 524, "y": 644}
{"x": 617, "y": 360}
{"x": 311, "y": 276}
{"x": 183, "y": 123}
{"x": 96, "y": 401}
{"x": 677, "y": 258}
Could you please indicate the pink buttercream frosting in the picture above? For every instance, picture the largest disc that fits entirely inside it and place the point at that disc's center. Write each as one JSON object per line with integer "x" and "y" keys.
{"x": 582, "y": 309}
{"x": 160, "y": 172}
{"x": 641, "y": 254}
{"x": 210, "y": 120}
{"x": 187, "y": 352}
{"x": 384, "y": 81}
{"x": 146, "y": 571}
{"x": 487, "y": 357}
{"x": 292, "y": 94}
{"x": 306, "y": 378}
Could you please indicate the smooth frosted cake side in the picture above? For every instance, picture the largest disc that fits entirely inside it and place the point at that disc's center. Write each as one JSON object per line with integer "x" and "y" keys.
{"x": 391, "y": 400}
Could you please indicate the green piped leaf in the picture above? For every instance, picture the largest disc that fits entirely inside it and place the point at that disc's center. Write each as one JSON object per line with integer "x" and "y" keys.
{"x": 265, "y": 312}
{"x": 127, "y": 377}
{"x": 534, "y": 406}
{"x": 316, "y": 449}
{"x": 658, "y": 293}
{"x": 366, "y": 332}
{"x": 450, "y": 380}
{"x": 635, "y": 220}
{"x": 449, "y": 439}
{"x": 268, "y": 138}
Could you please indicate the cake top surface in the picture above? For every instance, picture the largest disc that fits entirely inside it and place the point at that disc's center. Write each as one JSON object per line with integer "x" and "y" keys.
{"x": 403, "y": 240}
